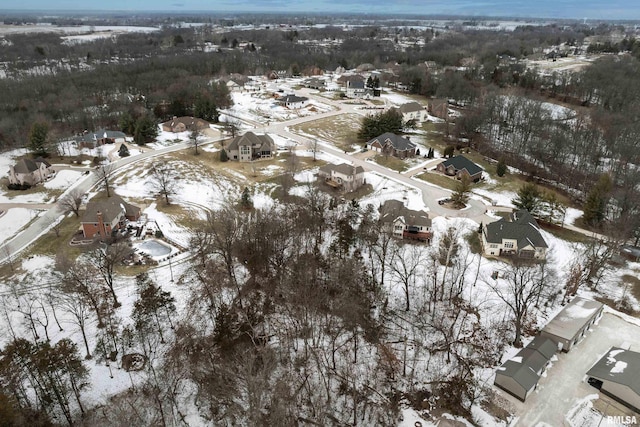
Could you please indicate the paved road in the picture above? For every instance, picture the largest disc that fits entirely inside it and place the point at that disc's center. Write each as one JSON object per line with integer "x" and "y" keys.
{"x": 477, "y": 210}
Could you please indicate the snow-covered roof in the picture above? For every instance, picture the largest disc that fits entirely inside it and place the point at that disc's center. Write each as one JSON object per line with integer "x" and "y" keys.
{"x": 619, "y": 366}
{"x": 573, "y": 317}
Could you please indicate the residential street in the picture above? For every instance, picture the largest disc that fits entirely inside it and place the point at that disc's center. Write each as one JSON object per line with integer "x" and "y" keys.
{"x": 476, "y": 210}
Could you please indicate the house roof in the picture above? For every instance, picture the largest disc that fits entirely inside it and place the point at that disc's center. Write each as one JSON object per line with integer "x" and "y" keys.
{"x": 314, "y": 81}
{"x": 391, "y": 210}
{"x": 357, "y": 84}
{"x": 110, "y": 209}
{"x": 188, "y": 121}
{"x": 100, "y": 134}
{"x": 521, "y": 227}
{"x": 619, "y": 366}
{"x": 410, "y": 107}
{"x": 398, "y": 142}
{"x": 342, "y": 168}
{"x": 460, "y": 162}
{"x": 28, "y": 165}
{"x": 520, "y": 372}
{"x": 350, "y": 78}
{"x": 572, "y": 318}
{"x": 544, "y": 346}
{"x": 293, "y": 98}
{"x": 259, "y": 142}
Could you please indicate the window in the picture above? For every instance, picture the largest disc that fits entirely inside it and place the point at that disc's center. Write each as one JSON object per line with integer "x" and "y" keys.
{"x": 398, "y": 227}
{"x": 493, "y": 245}
{"x": 245, "y": 150}
{"x": 508, "y": 245}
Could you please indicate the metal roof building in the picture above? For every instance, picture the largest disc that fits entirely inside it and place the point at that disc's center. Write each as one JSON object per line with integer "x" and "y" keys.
{"x": 617, "y": 374}
{"x": 570, "y": 325}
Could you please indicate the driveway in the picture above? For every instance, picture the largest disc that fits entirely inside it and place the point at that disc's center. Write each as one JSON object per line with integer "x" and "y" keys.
{"x": 564, "y": 383}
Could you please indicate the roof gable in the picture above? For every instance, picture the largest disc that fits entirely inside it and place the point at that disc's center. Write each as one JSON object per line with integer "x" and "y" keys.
{"x": 110, "y": 208}
{"x": 410, "y": 107}
{"x": 393, "y": 210}
{"x": 520, "y": 372}
{"x": 523, "y": 228}
{"x": 398, "y": 142}
{"x": 619, "y": 366}
{"x": 460, "y": 162}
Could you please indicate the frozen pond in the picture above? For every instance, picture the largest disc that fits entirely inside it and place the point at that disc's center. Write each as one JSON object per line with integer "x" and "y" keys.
{"x": 154, "y": 248}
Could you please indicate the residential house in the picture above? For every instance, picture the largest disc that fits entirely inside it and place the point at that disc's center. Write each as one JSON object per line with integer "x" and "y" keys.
{"x": 344, "y": 79}
{"x": 293, "y": 102}
{"x": 250, "y": 146}
{"x": 617, "y": 375}
{"x": 343, "y": 176}
{"x": 572, "y": 323}
{"x": 103, "y": 217}
{"x": 392, "y": 144}
{"x": 185, "y": 123}
{"x": 27, "y": 172}
{"x": 100, "y": 137}
{"x": 356, "y": 89}
{"x": 519, "y": 375}
{"x": 405, "y": 223}
{"x": 413, "y": 111}
{"x": 315, "y": 83}
{"x": 458, "y": 166}
{"x": 518, "y": 235}
{"x": 439, "y": 108}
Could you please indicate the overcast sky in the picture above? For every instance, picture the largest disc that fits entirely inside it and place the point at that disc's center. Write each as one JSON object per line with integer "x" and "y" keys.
{"x": 591, "y": 9}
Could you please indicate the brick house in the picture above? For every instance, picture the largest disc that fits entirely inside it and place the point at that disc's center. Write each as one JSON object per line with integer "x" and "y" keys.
{"x": 103, "y": 217}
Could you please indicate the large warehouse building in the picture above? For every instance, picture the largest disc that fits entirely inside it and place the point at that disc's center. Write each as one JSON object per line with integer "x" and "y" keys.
{"x": 617, "y": 375}
{"x": 570, "y": 325}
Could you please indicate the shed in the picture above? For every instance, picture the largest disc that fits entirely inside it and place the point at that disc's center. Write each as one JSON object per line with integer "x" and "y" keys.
{"x": 573, "y": 321}
{"x": 617, "y": 374}
{"x": 516, "y": 378}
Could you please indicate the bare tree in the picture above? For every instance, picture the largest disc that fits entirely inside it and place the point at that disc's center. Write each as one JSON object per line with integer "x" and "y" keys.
{"x": 103, "y": 177}
{"x": 104, "y": 260}
{"x": 193, "y": 139}
{"x": 405, "y": 265}
{"x": 78, "y": 309}
{"x": 72, "y": 202}
{"x": 520, "y": 290}
{"x": 163, "y": 181}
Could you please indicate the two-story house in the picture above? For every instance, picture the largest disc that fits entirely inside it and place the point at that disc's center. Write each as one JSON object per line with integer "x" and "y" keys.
{"x": 413, "y": 111}
{"x": 103, "y": 217}
{"x": 250, "y": 146}
{"x": 405, "y": 223}
{"x": 342, "y": 176}
{"x": 519, "y": 235}
{"x": 27, "y": 172}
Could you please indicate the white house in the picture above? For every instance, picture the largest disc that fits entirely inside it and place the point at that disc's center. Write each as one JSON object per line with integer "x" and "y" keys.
{"x": 30, "y": 172}
{"x": 519, "y": 236}
{"x": 294, "y": 102}
{"x": 344, "y": 176}
{"x": 413, "y": 111}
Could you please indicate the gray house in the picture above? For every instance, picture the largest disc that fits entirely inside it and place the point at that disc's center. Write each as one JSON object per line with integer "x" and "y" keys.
{"x": 572, "y": 322}
{"x": 250, "y": 146}
{"x": 342, "y": 176}
{"x": 519, "y": 375}
{"x": 518, "y": 235}
{"x": 617, "y": 375}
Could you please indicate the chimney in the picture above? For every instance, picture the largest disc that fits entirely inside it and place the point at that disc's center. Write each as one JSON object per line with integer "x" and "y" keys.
{"x": 101, "y": 228}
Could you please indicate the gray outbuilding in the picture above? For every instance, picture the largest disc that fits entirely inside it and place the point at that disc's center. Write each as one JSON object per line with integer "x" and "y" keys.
{"x": 617, "y": 374}
{"x": 519, "y": 375}
{"x": 570, "y": 325}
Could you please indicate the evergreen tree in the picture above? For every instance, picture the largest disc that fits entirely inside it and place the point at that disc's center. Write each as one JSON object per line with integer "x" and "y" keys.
{"x": 145, "y": 131}
{"x": 246, "y": 201}
{"x": 501, "y": 168}
{"x": 123, "y": 151}
{"x": 460, "y": 196}
{"x": 595, "y": 207}
{"x": 377, "y": 124}
{"x": 528, "y": 197}
{"x": 38, "y": 138}
{"x": 223, "y": 155}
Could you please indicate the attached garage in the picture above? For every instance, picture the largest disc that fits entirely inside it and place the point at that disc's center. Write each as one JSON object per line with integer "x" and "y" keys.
{"x": 571, "y": 324}
{"x": 617, "y": 375}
